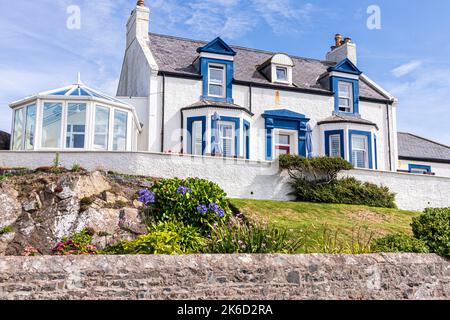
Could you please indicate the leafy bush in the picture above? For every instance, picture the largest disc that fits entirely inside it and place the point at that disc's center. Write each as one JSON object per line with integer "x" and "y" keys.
{"x": 243, "y": 238}
{"x": 345, "y": 191}
{"x": 321, "y": 169}
{"x": 191, "y": 239}
{"x": 433, "y": 227}
{"x": 399, "y": 243}
{"x": 196, "y": 202}
{"x": 78, "y": 244}
{"x": 157, "y": 242}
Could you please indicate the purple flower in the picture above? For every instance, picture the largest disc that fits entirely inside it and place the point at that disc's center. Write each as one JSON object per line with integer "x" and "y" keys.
{"x": 202, "y": 209}
{"x": 214, "y": 207}
{"x": 221, "y": 213}
{"x": 183, "y": 190}
{"x": 146, "y": 197}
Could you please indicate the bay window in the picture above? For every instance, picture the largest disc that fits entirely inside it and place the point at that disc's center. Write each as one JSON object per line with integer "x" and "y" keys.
{"x": 360, "y": 152}
{"x": 76, "y": 126}
{"x": 101, "y": 134}
{"x": 51, "y": 125}
{"x": 227, "y": 138}
{"x": 335, "y": 145}
{"x": 197, "y": 138}
{"x": 120, "y": 130}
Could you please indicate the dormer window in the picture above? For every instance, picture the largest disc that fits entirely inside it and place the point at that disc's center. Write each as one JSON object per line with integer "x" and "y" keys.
{"x": 345, "y": 97}
{"x": 216, "y": 81}
{"x": 282, "y": 74}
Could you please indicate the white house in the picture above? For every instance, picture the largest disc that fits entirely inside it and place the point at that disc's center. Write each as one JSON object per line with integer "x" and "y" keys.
{"x": 200, "y": 98}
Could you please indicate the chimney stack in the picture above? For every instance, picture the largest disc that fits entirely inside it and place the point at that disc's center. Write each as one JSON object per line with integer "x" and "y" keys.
{"x": 138, "y": 23}
{"x": 343, "y": 49}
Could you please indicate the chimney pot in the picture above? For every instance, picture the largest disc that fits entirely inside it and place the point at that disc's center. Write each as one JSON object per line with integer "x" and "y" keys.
{"x": 348, "y": 40}
{"x": 141, "y": 3}
{"x": 338, "y": 39}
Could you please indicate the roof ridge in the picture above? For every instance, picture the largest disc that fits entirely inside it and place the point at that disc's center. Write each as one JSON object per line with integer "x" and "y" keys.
{"x": 422, "y": 138}
{"x": 245, "y": 48}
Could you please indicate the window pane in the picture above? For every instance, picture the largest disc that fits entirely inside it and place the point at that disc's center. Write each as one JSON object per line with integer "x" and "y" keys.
{"x": 197, "y": 138}
{"x": 101, "y": 128}
{"x": 76, "y": 125}
{"x": 335, "y": 146}
{"x": 344, "y": 102}
{"x": 359, "y": 151}
{"x": 344, "y": 90}
{"x": 227, "y": 131}
{"x": 120, "y": 131}
{"x": 30, "y": 127}
{"x": 359, "y": 142}
{"x": 216, "y": 74}
{"x": 282, "y": 74}
{"x": 51, "y": 125}
{"x": 18, "y": 129}
{"x": 282, "y": 151}
{"x": 283, "y": 139}
{"x": 215, "y": 90}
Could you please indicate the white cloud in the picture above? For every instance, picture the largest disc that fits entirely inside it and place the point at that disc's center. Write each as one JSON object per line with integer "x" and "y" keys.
{"x": 406, "y": 68}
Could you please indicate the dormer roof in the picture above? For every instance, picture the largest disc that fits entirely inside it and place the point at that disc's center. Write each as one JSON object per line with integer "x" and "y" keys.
{"x": 217, "y": 46}
{"x": 345, "y": 66}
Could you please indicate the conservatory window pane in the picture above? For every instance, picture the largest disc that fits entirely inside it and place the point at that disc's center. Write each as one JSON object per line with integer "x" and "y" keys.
{"x": 76, "y": 125}
{"x": 18, "y": 129}
{"x": 51, "y": 125}
{"x": 101, "y": 128}
{"x": 30, "y": 127}
{"x": 120, "y": 131}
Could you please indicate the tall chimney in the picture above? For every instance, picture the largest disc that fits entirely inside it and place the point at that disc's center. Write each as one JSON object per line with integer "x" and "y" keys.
{"x": 138, "y": 23}
{"x": 342, "y": 49}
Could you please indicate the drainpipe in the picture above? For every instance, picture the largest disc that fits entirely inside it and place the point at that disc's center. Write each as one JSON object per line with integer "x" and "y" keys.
{"x": 163, "y": 111}
{"x": 182, "y": 132}
{"x": 389, "y": 136}
{"x": 250, "y": 102}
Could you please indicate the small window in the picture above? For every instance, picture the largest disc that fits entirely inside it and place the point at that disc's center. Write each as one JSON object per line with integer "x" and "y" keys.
{"x": 282, "y": 74}
{"x": 283, "y": 144}
{"x": 216, "y": 81}
{"x": 345, "y": 97}
{"x": 360, "y": 158}
{"x": 120, "y": 130}
{"x": 18, "y": 129}
{"x": 419, "y": 169}
{"x": 101, "y": 134}
{"x": 76, "y": 126}
{"x": 30, "y": 127}
{"x": 335, "y": 146}
{"x": 197, "y": 138}
{"x": 227, "y": 131}
{"x": 51, "y": 125}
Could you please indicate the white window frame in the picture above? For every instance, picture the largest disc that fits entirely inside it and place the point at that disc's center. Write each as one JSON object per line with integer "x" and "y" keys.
{"x": 330, "y": 144}
{"x": 62, "y": 140}
{"x": 233, "y": 138}
{"x": 109, "y": 134}
{"x": 66, "y": 121}
{"x": 194, "y": 138}
{"x": 278, "y": 145}
{"x": 26, "y": 124}
{"x": 366, "y": 151}
{"x": 13, "y": 136}
{"x": 287, "y": 74}
{"x": 216, "y": 83}
{"x": 349, "y": 85}
{"x": 127, "y": 132}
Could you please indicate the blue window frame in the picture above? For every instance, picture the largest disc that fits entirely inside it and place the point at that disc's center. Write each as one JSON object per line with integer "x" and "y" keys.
{"x": 337, "y": 85}
{"x": 237, "y": 132}
{"x": 330, "y": 140}
{"x": 190, "y": 125}
{"x": 416, "y": 168}
{"x": 247, "y": 139}
{"x": 212, "y": 86}
{"x": 356, "y": 151}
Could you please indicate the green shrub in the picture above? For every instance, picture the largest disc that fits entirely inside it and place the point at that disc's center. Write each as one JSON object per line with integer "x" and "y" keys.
{"x": 433, "y": 227}
{"x": 6, "y": 230}
{"x": 345, "y": 191}
{"x": 157, "y": 242}
{"x": 399, "y": 243}
{"x": 191, "y": 239}
{"x": 195, "y": 202}
{"x": 242, "y": 238}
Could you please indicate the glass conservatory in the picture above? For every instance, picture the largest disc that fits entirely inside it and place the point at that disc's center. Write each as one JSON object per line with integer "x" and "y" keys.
{"x": 75, "y": 117}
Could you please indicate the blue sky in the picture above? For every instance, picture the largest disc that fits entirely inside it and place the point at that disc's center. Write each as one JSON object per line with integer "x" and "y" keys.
{"x": 409, "y": 55}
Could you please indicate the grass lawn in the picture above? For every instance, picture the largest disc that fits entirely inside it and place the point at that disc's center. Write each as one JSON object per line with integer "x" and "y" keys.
{"x": 326, "y": 225}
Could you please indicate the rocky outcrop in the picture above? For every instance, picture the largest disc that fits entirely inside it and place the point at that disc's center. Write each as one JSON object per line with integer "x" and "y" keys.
{"x": 41, "y": 209}
{"x": 4, "y": 140}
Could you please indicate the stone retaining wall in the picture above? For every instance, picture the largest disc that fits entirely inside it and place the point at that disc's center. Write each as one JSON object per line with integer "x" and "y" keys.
{"x": 384, "y": 276}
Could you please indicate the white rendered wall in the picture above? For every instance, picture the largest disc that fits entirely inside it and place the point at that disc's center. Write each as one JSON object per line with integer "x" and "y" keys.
{"x": 239, "y": 178}
{"x": 440, "y": 169}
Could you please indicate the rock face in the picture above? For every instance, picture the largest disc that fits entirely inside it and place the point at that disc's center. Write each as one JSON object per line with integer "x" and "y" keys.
{"x": 41, "y": 209}
{"x": 4, "y": 140}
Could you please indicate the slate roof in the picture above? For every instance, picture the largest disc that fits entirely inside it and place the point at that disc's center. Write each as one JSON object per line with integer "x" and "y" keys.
{"x": 414, "y": 147}
{"x": 176, "y": 55}
{"x": 340, "y": 118}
